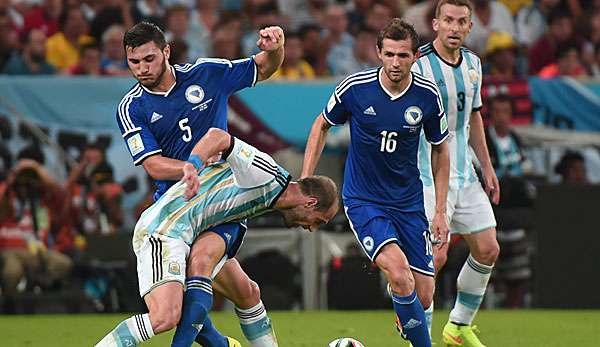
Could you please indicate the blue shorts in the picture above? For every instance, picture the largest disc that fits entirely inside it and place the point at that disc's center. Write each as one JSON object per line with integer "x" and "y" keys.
{"x": 375, "y": 226}
{"x": 233, "y": 234}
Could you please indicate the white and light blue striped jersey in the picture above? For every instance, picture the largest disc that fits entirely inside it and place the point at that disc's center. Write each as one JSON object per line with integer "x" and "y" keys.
{"x": 171, "y": 123}
{"x": 460, "y": 86}
{"x": 247, "y": 184}
{"x": 381, "y": 166}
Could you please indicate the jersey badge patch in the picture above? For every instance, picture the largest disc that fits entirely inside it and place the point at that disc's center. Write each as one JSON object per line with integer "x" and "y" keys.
{"x": 443, "y": 124}
{"x": 473, "y": 75}
{"x": 194, "y": 94}
{"x": 135, "y": 144}
{"x": 174, "y": 269}
{"x": 413, "y": 115}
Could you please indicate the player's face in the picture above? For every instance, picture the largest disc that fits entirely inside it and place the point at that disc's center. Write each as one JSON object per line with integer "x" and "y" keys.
{"x": 148, "y": 63}
{"x": 308, "y": 217}
{"x": 397, "y": 58}
{"x": 453, "y": 25}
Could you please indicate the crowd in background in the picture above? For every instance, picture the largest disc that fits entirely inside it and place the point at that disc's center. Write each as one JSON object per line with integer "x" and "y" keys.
{"x": 324, "y": 38}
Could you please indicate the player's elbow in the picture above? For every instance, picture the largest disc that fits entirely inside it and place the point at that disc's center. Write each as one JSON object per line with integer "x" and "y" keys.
{"x": 219, "y": 136}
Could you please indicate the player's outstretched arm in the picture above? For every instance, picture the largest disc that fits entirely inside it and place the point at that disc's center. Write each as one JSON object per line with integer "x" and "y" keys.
{"x": 271, "y": 44}
{"x": 440, "y": 167}
{"x": 477, "y": 141}
{"x": 214, "y": 142}
{"x": 315, "y": 145}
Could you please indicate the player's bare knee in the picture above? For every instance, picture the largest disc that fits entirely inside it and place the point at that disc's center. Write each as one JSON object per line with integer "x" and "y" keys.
{"x": 488, "y": 254}
{"x": 248, "y": 295}
{"x": 201, "y": 264}
{"x": 425, "y": 297}
{"x": 165, "y": 318}
{"x": 401, "y": 280}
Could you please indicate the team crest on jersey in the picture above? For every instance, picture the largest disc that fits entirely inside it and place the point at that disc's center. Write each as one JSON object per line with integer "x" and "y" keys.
{"x": 368, "y": 243}
{"x": 413, "y": 115}
{"x": 174, "y": 268}
{"x": 473, "y": 75}
{"x": 194, "y": 94}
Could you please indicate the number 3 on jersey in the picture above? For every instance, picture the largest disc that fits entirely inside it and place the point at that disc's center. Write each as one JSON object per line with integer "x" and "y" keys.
{"x": 388, "y": 144}
{"x": 187, "y": 131}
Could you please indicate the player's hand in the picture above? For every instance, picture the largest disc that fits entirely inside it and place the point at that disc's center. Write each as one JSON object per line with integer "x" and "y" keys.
{"x": 271, "y": 39}
{"x": 491, "y": 184}
{"x": 190, "y": 178}
{"x": 439, "y": 228}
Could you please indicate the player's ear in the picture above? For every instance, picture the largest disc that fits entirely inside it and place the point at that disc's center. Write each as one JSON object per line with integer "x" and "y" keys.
{"x": 436, "y": 24}
{"x": 167, "y": 51}
{"x": 311, "y": 202}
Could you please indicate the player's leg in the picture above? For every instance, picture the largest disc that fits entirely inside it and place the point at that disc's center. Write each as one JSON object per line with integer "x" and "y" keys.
{"x": 235, "y": 284}
{"x": 161, "y": 274}
{"x": 424, "y": 285}
{"x": 474, "y": 220}
{"x": 208, "y": 249}
{"x": 394, "y": 265}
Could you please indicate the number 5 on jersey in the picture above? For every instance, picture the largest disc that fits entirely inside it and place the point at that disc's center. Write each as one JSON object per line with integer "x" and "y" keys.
{"x": 388, "y": 144}
{"x": 187, "y": 131}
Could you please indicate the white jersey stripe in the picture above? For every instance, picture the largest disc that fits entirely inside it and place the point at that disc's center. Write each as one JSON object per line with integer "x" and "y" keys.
{"x": 354, "y": 76}
{"x": 355, "y": 83}
{"x": 124, "y": 104}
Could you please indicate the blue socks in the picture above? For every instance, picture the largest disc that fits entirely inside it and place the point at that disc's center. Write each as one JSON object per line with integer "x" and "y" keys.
{"x": 412, "y": 317}
{"x": 210, "y": 336}
{"x": 197, "y": 302}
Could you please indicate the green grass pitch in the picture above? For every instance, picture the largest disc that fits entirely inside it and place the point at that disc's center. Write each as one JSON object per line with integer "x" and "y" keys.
{"x": 528, "y": 328}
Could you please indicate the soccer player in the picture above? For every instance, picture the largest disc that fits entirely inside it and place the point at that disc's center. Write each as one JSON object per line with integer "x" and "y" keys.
{"x": 247, "y": 184}
{"x": 457, "y": 73}
{"x": 166, "y": 113}
{"x": 383, "y": 196}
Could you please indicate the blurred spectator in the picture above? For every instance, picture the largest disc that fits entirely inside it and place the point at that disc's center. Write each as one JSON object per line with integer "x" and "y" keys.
{"x": 89, "y": 62}
{"x": 9, "y": 39}
{"x": 532, "y": 20}
{"x": 178, "y": 28}
{"x": 378, "y": 16}
{"x": 226, "y": 39}
{"x": 365, "y": 53}
{"x": 203, "y": 20}
{"x": 179, "y": 52}
{"x": 114, "y": 61}
{"x": 312, "y": 45}
{"x": 595, "y": 67}
{"x": 514, "y": 6}
{"x": 43, "y": 16}
{"x": 592, "y": 37}
{"x": 568, "y": 63}
{"x": 303, "y": 12}
{"x": 15, "y": 19}
{"x": 338, "y": 43}
{"x": 571, "y": 168}
{"x": 63, "y": 47}
{"x": 110, "y": 12}
{"x": 29, "y": 230}
{"x": 488, "y": 16}
{"x": 421, "y": 15}
{"x": 294, "y": 66}
{"x": 503, "y": 143}
{"x": 543, "y": 51}
{"x": 501, "y": 57}
{"x": 189, "y": 4}
{"x": 32, "y": 61}
{"x": 148, "y": 10}
{"x": 356, "y": 16}
{"x": 95, "y": 197}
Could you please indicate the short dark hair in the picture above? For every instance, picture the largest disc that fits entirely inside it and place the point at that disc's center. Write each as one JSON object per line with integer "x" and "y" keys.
{"x": 397, "y": 29}
{"x": 321, "y": 187}
{"x": 143, "y": 33}
{"x": 567, "y": 161}
{"x": 466, "y": 3}
{"x": 502, "y": 97}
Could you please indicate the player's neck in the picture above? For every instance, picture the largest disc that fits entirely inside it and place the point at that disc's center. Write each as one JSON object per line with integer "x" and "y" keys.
{"x": 290, "y": 198}
{"x": 395, "y": 88}
{"x": 450, "y": 55}
{"x": 167, "y": 82}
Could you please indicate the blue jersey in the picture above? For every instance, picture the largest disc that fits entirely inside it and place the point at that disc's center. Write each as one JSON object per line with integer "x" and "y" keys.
{"x": 381, "y": 166}
{"x": 171, "y": 123}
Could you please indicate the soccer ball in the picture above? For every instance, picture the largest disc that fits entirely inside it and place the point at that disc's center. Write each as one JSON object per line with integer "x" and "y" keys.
{"x": 345, "y": 342}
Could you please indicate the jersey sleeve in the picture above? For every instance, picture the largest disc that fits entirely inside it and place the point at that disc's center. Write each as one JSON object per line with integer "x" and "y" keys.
{"x": 335, "y": 112}
{"x": 240, "y": 74}
{"x": 253, "y": 168}
{"x": 416, "y": 67}
{"x": 436, "y": 125}
{"x": 141, "y": 143}
{"x": 477, "y": 103}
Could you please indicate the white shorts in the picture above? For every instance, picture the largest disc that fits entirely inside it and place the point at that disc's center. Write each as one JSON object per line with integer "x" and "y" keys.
{"x": 162, "y": 259}
{"x": 468, "y": 209}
